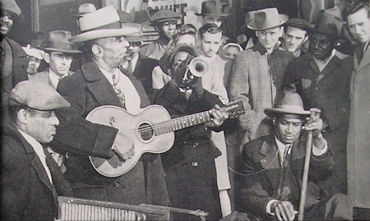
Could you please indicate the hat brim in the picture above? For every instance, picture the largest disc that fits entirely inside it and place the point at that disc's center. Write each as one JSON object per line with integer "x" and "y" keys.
{"x": 103, "y": 33}
{"x": 283, "y": 20}
{"x": 213, "y": 14}
{"x": 273, "y": 111}
{"x": 67, "y": 51}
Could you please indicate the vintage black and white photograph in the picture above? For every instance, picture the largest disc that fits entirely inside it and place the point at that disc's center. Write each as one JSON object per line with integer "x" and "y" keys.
{"x": 220, "y": 110}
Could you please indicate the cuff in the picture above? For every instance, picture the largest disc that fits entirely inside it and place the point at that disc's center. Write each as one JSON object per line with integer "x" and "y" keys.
{"x": 268, "y": 207}
{"x": 319, "y": 152}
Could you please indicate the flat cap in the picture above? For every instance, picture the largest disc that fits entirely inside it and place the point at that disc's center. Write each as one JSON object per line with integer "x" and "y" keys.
{"x": 299, "y": 23}
{"x": 164, "y": 15}
{"x": 37, "y": 95}
{"x": 11, "y": 6}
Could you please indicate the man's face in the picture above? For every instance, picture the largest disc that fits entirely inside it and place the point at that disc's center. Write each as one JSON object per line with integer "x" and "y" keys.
{"x": 6, "y": 21}
{"x": 114, "y": 50}
{"x": 287, "y": 127}
{"x": 269, "y": 37}
{"x": 60, "y": 63}
{"x": 210, "y": 19}
{"x": 321, "y": 46}
{"x": 359, "y": 25}
{"x": 188, "y": 39}
{"x": 167, "y": 28}
{"x": 210, "y": 43}
{"x": 231, "y": 52}
{"x": 41, "y": 125}
{"x": 179, "y": 58}
{"x": 294, "y": 38}
{"x": 132, "y": 50}
{"x": 33, "y": 65}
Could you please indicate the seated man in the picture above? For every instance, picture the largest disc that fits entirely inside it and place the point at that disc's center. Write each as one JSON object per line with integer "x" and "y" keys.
{"x": 30, "y": 180}
{"x": 272, "y": 168}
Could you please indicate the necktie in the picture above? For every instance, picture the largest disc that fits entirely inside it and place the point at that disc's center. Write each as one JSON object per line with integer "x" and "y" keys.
{"x": 285, "y": 157}
{"x": 120, "y": 95}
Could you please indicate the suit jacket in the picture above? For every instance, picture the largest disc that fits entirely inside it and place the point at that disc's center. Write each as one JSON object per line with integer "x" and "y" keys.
{"x": 256, "y": 78}
{"x": 85, "y": 90}
{"x": 260, "y": 169}
{"x": 358, "y": 151}
{"x": 27, "y": 193}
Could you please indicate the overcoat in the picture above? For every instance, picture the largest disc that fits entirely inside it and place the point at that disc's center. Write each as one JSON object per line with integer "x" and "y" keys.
{"x": 260, "y": 169}
{"x": 26, "y": 191}
{"x": 256, "y": 78}
{"x": 85, "y": 90}
{"x": 358, "y": 151}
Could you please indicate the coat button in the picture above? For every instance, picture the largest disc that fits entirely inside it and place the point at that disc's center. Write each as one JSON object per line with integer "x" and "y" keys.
{"x": 116, "y": 184}
{"x": 195, "y": 144}
{"x": 194, "y": 164}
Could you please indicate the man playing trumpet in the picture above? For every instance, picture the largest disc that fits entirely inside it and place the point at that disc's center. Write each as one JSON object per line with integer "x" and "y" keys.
{"x": 272, "y": 166}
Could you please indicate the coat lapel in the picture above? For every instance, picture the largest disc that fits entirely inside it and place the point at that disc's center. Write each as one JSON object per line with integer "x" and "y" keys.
{"x": 270, "y": 160}
{"x": 99, "y": 86}
{"x": 365, "y": 60}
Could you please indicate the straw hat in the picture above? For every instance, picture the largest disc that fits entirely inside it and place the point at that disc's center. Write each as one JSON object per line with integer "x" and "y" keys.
{"x": 59, "y": 41}
{"x": 266, "y": 19}
{"x": 291, "y": 103}
{"x": 102, "y": 23}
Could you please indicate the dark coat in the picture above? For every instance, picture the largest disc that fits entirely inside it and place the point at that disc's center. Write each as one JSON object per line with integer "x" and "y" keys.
{"x": 27, "y": 193}
{"x": 85, "y": 90}
{"x": 189, "y": 164}
{"x": 260, "y": 169}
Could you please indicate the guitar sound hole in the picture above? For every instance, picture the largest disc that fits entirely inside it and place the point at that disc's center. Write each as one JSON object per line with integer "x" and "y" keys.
{"x": 146, "y": 131}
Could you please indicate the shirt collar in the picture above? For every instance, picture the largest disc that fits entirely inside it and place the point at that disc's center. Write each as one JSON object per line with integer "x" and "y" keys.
{"x": 322, "y": 63}
{"x": 54, "y": 78}
{"x": 281, "y": 148}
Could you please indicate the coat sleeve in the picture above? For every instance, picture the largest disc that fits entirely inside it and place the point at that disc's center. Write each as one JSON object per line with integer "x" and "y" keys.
{"x": 75, "y": 133}
{"x": 255, "y": 189}
{"x": 15, "y": 186}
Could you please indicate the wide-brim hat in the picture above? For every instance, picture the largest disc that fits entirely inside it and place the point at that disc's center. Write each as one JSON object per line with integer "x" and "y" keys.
{"x": 266, "y": 19}
{"x": 37, "y": 95}
{"x": 212, "y": 8}
{"x": 102, "y": 23}
{"x": 328, "y": 24}
{"x": 11, "y": 6}
{"x": 164, "y": 15}
{"x": 84, "y": 9}
{"x": 291, "y": 103}
{"x": 59, "y": 41}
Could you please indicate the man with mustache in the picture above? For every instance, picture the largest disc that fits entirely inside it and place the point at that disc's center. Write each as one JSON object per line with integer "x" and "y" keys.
{"x": 323, "y": 80}
{"x": 30, "y": 180}
{"x": 271, "y": 168}
{"x": 100, "y": 82}
{"x": 13, "y": 60}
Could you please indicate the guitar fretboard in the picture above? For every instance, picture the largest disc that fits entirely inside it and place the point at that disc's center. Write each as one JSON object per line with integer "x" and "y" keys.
{"x": 181, "y": 123}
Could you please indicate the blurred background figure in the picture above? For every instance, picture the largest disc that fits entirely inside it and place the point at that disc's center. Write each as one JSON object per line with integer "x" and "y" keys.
{"x": 83, "y": 9}
{"x": 186, "y": 34}
{"x": 35, "y": 56}
{"x": 212, "y": 12}
{"x": 230, "y": 51}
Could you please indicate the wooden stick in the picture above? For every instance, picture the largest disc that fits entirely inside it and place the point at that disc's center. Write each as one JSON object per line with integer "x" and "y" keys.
{"x": 305, "y": 172}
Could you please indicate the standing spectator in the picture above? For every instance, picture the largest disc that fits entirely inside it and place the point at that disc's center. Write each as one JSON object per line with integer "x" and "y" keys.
{"x": 258, "y": 73}
{"x": 212, "y": 13}
{"x": 30, "y": 180}
{"x": 13, "y": 62}
{"x": 295, "y": 36}
{"x": 164, "y": 22}
{"x": 35, "y": 57}
{"x": 59, "y": 51}
{"x": 229, "y": 53}
{"x": 358, "y": 151}
{"x": 322, "y": 79}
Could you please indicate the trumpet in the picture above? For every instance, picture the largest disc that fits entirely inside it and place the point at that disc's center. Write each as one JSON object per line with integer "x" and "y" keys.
{"x": 197, "y": 67}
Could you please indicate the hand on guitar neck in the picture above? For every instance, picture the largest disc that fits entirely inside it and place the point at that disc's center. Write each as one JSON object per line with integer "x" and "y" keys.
{"x": 123, "y": 147}
{"x": 218, "y": 116}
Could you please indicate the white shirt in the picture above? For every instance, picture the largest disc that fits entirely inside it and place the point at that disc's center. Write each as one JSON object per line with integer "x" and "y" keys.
{"x": 132, "y": 98}
{"x": 37, "y": 147}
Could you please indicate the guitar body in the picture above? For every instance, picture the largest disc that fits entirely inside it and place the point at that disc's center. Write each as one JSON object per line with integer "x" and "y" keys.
{"x": 139, "y": 128}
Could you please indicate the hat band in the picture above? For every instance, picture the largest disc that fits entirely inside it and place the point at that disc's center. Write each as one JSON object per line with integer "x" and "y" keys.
{"x": 291, "y": 107}
{"x": 59, "y": 45}
{"x": 114, "y": 25}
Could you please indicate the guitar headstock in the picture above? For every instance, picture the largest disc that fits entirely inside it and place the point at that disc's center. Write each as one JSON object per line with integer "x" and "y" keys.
{"x": 234, "y": 108}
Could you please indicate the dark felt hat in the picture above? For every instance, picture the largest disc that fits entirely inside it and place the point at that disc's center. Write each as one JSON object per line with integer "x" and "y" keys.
{"x": 59, "y": 41}
{"x": 212, "y": 8}
{"x": 328, "y": 24}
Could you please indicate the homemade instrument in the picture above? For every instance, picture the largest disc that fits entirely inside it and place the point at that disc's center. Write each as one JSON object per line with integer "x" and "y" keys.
{"x": 151, "y": 131}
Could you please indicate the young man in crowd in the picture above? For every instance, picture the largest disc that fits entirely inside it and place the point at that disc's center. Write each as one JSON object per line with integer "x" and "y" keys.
{"x": 272, "y": 167}
{"x": 322, "y": 79}
{"x": 59, "y": 52}
{"x": 164, "y": 22}
{"x": 100, "y": 82}
{"x": 357, "y": 16}
{"x": 295, "y": 36}
{"x": 258, "y": 72}
{"x": 30, "y": 180}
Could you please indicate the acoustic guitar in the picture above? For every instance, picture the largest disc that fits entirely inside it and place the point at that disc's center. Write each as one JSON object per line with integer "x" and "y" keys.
{"x": 151, "y": 131}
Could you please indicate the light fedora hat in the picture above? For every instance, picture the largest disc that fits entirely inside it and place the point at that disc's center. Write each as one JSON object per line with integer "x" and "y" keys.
{"x": 102, "y": 23}
{"x": 290, "y": 103}
{"x": 266, "y": 18}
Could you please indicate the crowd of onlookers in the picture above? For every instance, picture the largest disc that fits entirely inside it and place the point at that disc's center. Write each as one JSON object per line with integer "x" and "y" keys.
{"x": 291, "y": 77}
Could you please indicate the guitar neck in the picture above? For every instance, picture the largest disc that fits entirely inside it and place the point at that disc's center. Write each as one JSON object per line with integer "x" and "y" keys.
{"x": 182, "y": 122}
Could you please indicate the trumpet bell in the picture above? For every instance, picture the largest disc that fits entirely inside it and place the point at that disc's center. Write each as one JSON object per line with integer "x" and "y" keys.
{"x": 198, "y": 67}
